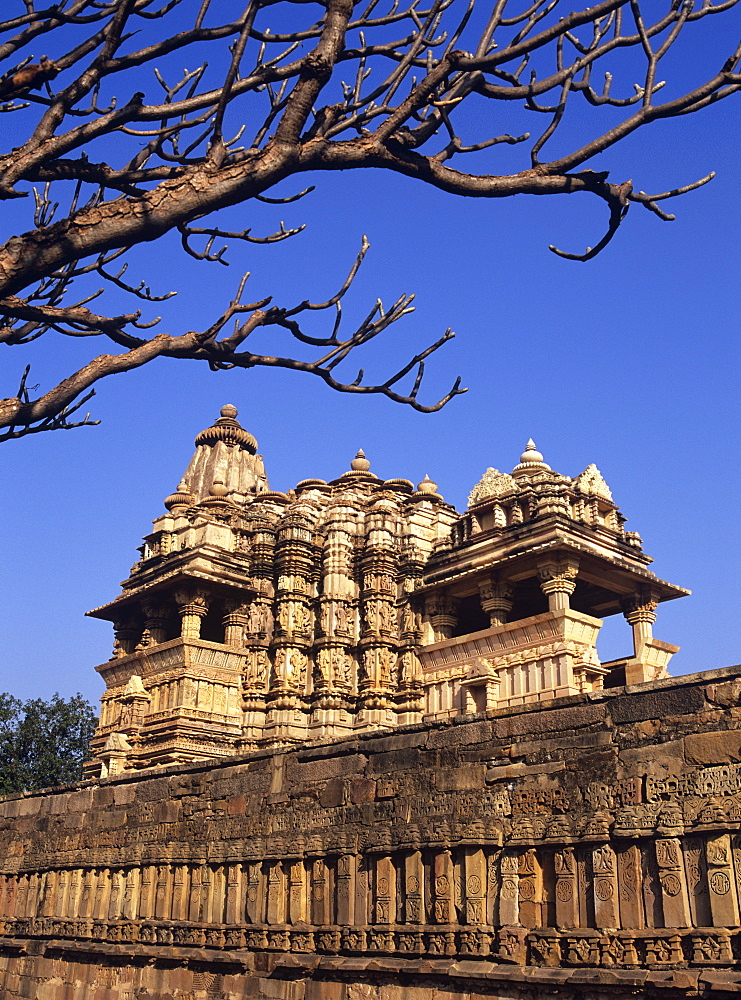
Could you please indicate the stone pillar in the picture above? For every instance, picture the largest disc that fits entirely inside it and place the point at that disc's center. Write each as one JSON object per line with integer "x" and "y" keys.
{"x": 235, "y": 622}
{"x": 115, "y": 877}
{"x": 73, "y": 905}
{"x": 567, "y": 900}
{"x": 441, "y": 610}
{"x": 194, "y": 896}
{"x": 180, "y": 893}
{"x": 509, "y": 911}
{"x": 442, "y": 888}
{"x": 146, "y": 901}
{"x": 630, "y": 888}
{"x": 475, "y": 885}
{"x": 297, "y": 893}
{"x": 126, "y": 635}
{"x": 558, "y": 581}
{"x": 130, "y": 894}
{"x": 496, "y": 601}
{"x": 5, "y": 895}
{"x": 320, "y": 899}
{"x": 346, "y": 865}
{"x": 20, "y": 896}
{"x": 162, "y": 894}
{"x": 414, "y": 878}
{"x": 362, "y": 892}
{"x": 530, "y": 889}
{"x": 155, "y": 623}
{"x": 86, "y": 895}
{"x": 207, "y": 894}
{"x": 604, "y": 868}
{"x": 276, "y": 893}
{"x": 675, "y": 900}
{"x": 48, "y": 892}
{"x": 721, "y": 881}
{"x": 233, "y": 886}
{"x": 640, "y": 614}
{"x": 62, "y": 900}
{"x": 385, "y": 890}
{"x": 254, "y": 902}
{"x": 218, "y": 904}
{"x": 192, "y": 609}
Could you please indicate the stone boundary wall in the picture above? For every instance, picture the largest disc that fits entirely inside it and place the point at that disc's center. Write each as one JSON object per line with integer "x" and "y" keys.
{"x": 584, "y": 845}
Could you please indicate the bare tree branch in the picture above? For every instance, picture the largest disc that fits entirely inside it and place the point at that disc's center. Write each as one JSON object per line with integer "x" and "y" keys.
{"x": 115, "y": 147}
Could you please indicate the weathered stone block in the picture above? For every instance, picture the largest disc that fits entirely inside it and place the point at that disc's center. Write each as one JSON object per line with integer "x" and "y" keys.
{"x": 459, "y": 779}
{"x": 639, "y": 706}
{"x": 707, "y": 749}
{"x": 362, "y": 790}
{"x": 461, "y": 735}
{"x": 552, "y": 720}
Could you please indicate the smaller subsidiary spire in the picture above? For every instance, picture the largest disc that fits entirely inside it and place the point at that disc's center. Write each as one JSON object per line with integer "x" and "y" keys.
{"x": 180, "y": 499}
{"x": 427, "y": 485}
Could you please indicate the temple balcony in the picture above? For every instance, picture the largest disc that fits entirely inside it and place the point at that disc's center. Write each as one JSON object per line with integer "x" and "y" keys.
{"x": 535, "y": 659}
{"x": 177, "y": 700}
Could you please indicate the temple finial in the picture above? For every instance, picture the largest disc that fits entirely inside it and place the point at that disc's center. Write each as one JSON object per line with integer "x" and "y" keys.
{"x": 360, "y": 463}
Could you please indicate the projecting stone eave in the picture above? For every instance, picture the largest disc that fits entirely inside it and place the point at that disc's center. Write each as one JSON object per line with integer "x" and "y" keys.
{"x": 164, "y": 583}
{"x": 612, "y": 572}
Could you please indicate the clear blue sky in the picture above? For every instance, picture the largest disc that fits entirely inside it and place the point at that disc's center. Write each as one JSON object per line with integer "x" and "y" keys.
{"x": 630, "y": 361}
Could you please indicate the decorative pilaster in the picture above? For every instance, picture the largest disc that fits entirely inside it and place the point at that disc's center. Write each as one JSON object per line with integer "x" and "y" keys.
{"x": 442, "y": 888}
{"x": 604, "y": 869}
{"x": 320, "y": 901}
{"x": 724, "y": 906}
{"x": 475, "y": 885}
{"x": 297, "y": 909}
{"x": 509, "y": 911}
{"x": 567, "y": 900}
{"x": 413, "y": 888}
{"x": 385, "y": 890}
{"x": 346, "y": 868}
{"x": 276, "y": 907}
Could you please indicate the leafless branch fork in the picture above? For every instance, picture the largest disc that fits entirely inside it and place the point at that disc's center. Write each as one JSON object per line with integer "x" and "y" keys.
{"x": 414, "y": 86}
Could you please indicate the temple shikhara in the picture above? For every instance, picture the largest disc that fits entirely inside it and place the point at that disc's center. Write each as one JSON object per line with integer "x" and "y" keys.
{"x": 356, "y": 745}
{"x": 257, "y": 618}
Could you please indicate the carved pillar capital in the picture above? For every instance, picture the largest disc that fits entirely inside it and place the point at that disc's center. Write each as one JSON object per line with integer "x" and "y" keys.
{"x": 155, "y": 622}
{"x": 496, "y": 600}
{"x": 234, "y": 622}
{"x": 192, "y": 607}
{"x": 558, "y": 581}
{"x": 640, "y": 612}
{"x": 442, "y": 611}
{"x": 126, "y": 635}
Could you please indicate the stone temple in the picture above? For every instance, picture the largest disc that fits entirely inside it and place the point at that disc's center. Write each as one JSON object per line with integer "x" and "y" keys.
{"x": 355, "y": 745}
{"x": 256, "y": 618}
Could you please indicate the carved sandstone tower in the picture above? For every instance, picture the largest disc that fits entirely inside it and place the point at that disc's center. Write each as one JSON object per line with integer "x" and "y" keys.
{"x": 259, "y": 618}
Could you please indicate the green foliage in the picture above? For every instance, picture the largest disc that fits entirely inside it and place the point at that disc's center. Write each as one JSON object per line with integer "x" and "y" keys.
{"x": 43, "y": 743}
